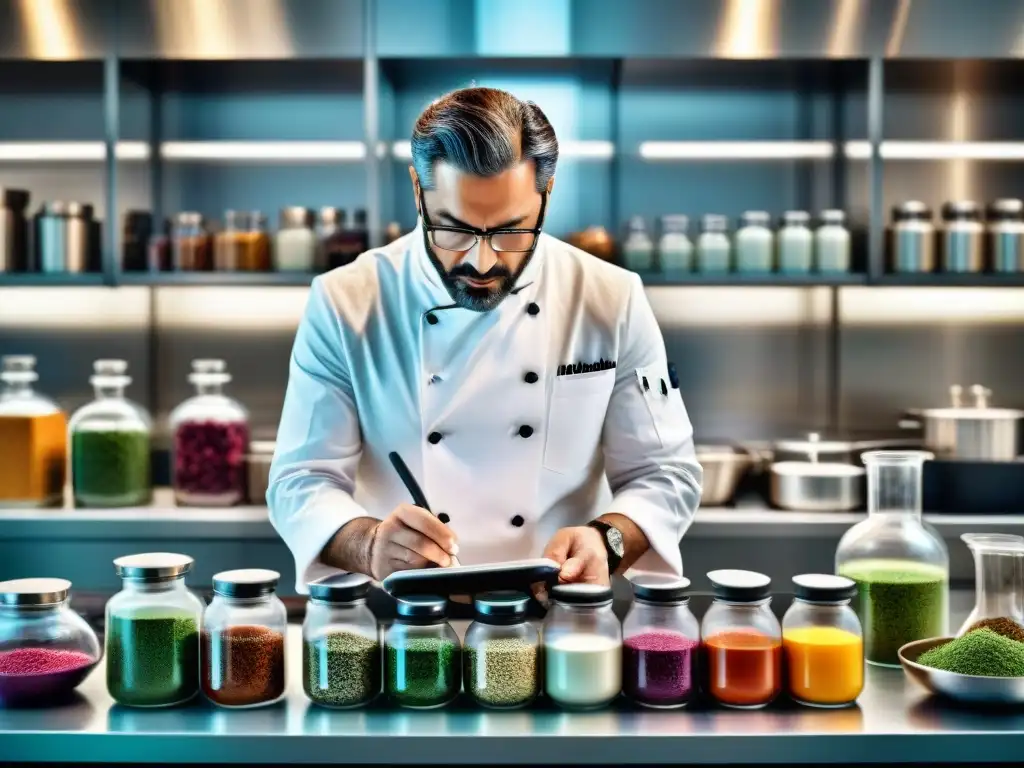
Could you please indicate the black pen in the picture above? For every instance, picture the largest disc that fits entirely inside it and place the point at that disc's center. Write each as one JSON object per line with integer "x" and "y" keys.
{"x": 413, "y": 487}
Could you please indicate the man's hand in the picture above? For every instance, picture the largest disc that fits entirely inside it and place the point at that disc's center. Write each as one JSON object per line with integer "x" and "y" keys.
{"x": 581, "y": 553}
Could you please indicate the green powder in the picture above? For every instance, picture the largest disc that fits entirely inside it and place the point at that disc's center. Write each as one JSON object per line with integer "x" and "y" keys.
{"x": 110, "y": 469}
{"x": 341, "y": 669}
{"x": 981, "y": 652}
{"x": 423, "y": 671}
{"x": 898, "y": 602}
{"x": 152, "y": 658}
{"x": 503, "y": 672}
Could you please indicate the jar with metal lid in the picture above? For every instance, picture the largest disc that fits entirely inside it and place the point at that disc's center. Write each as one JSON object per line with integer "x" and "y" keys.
{"x": 963, "y": 237}
{"x": 341, "y": 655}
{"x": 14, "y": 251}
{"x": 33, "y": 439}
{"x": 638, "y": 248}
{"x": 110, "y": 443}
{"x": 582, "y": 647}
{"x": 152, "y": 634}
{"x": 191, "y": 246}
{"x": 714, "y": 252}
{"x": 502, "y": 652}
{"x": 832, "y": 243}
{"x": 243, "y": 244}
{"x": 1006, "y": 235}
{"x": 661, "y": 638}
{"x": 755, "y": 243}
{"x": 46, "y": 649}
{"x": 135, "y": 237}
{"x": 822, "y": 642}
{"x": 210, "y": 438}
{"x": 63, "y": 237}
{"x": 423, "y": 669}
{"x": 913, "y": 237}
{"x": 242, "y": 642}
{"x": 675, "y": 251}
{"x": 295, "y": 242}
{"x": 796, "y": 243}
{"x": 742, "y": 641}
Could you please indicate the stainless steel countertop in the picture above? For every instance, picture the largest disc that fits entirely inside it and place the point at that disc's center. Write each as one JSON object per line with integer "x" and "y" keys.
{"x": 893, "y": 722}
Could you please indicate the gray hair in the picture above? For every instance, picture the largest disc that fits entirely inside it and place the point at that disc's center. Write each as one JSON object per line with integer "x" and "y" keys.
{"x": 483, "y": 132}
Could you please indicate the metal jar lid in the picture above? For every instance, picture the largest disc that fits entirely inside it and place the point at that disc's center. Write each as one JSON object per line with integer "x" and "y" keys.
{"x": 581, "y": 594}
{"x": 328, "y": 216}
{"x": 675, "y": 222}
{"x": 833, "y": 216}
{"x": 153, "y": 566}
{"x": 294, "y": 217}
{"x": 503, "y": 607}
{"x": 14, "y": 199}
{"x": 660, "y": 588}
{"x": 714, "y": 222}
{"x": 340, "y": 588}
{"x": 188, "y": 219}
{"x": 796, "y": 218}
{"x": 54, "y": 209}
{"x": 33, "y": 593}
{"x": 823, "y": 588}
{"x": 961, "y": 210}
{"x": 755, "y": 219}
{"x": 246, "y": 582}
{"x": 80, "y": 211}
{"x": 1007, "y": 209}
{"x": 911, "y": 210}
{"x": 736, "y": 586}
{"x": 422, "y": 607}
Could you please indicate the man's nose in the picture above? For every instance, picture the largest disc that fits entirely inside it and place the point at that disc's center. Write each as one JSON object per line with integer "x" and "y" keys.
{"x": 481, "y": 257}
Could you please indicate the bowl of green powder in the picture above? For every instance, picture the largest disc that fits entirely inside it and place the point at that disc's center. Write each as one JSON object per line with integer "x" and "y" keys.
{"x": 981, "y": 667}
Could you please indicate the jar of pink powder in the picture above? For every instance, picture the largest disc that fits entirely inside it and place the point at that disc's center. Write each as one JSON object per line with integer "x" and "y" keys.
{"x": 46, "y": 649}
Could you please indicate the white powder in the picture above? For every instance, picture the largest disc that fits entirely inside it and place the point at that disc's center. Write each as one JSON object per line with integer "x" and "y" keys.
{"x": 583, "y": 670}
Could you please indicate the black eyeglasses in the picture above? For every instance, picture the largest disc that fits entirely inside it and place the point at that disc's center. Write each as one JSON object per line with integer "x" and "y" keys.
{"x": 462, "y": 239}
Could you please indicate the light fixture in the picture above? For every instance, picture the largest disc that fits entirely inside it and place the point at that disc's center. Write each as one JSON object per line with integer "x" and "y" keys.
{"x": 310, "y": 151}
{"x": 69, "y": 151}
{"x": 736, "y": 150}
{"x": 582, "y": 150}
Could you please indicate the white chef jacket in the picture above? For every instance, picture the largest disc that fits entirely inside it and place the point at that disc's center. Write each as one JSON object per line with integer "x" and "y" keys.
{"x": 547, "y": 411}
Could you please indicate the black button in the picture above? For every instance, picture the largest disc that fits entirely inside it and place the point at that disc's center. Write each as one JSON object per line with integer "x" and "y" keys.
{"x": 432, "y": 318}
{"x": 434, "y": 438}
{"x": 531, "y": 378}
{"x": 517, "y": 521}
{"x": 443, "y": 517}
{"x": 525, "y": 430}
{"x": 532, "y": 309}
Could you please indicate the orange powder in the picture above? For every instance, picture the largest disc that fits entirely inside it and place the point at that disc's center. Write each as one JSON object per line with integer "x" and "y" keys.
{"x": 825, "y": 665}
{"x": 744, "y": 667}
{"x": 33, "y": 455}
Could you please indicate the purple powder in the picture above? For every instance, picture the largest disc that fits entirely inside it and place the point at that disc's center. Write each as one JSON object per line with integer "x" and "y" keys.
{"x": 658, "y": 668}
{"x": 39, "y": 675}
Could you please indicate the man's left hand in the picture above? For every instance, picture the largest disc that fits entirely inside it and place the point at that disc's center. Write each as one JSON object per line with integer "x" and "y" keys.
{"x": 581, "y": 553}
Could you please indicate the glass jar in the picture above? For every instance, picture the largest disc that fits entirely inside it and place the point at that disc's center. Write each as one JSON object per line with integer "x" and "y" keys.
{"x": 242, "y": 641}
{"x": 962, "y": 237}
{"x": 423, "y": 667}
{"x": 294, "y": 243}
{"x": 675, "y": 251}
{"x": 900, "y": 564}
{"x": 191, "y": 248}
{"x": 502, "y": 656}
{"x": 714, "y": 253}
{"x": 341, "y": 655}
{"x": 46, "y": 649}
{"x": 998, "y": 581}
{"x": 152, "y": 632}
{"x": 582, "y": 647}
{"x": 210, "y": 436}
{"x": 742, "y": 641}
{"x": 755, "y": 244}
{"x": 1005, "y": 233}
{"x": 832, "y": 243}
{"x": 823, "y": 643}
{"x": 110, "y": 444}
{"x": 243, "y": 245}
{"x": 33, "y": 439}
{"x": 796, "y": 243}
{"x": 638, "y": 249}
{"x": 661, "y": 639}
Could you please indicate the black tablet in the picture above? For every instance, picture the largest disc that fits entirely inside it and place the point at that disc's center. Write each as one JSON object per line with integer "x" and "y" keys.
{"x": 472, "y": 579}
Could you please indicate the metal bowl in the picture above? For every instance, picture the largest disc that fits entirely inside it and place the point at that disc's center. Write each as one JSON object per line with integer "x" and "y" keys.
{"x": 970, "y": 689}
{"x": 724, "y": 466}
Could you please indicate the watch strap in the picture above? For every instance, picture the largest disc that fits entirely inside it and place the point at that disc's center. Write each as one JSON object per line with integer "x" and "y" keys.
{"x": 614, "y": 558}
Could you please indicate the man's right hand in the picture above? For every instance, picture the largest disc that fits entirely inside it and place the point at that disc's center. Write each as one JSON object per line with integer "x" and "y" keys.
{"x": 410, "y": 537}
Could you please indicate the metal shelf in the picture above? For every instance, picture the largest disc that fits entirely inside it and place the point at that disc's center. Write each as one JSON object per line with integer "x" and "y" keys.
{"x": 16, "y": 280}
{"x": 967, "y": 280}
{"x": 215, "y": 279}
{"x": 733, "y": 279}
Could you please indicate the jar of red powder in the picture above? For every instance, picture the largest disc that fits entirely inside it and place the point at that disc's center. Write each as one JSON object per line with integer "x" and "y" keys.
{"x": 742, "y": 641}
{"x": 46, "y": 649}
{"x": 661, "y": 637}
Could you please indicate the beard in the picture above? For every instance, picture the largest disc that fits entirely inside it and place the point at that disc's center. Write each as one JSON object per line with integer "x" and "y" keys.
{"x": 469, "y": 297}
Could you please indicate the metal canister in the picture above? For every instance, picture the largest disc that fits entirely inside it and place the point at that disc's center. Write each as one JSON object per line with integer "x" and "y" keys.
{"x": 963, "y": 237}
{"x": 13, "y": 230}
{"x": 63, "y": 234}
{"x": 913, "y": 237}
{"x": 1006, "y": 235}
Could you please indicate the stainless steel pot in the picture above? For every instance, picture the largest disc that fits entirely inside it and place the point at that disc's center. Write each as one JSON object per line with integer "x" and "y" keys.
{"x": 724, "y": 467}
{"x": 977, "y": 432}
{"x": 261, "y": 453}
{"x": 815, "y": 448}
{"x": 808, "y": 486}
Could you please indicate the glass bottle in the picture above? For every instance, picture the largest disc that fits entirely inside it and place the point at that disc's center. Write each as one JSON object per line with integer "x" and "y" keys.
{"x": 341, "y": 655}
{"x": 110, "y": 444}
{"x": 742, "y": 641}
{"x": 832, "y": 243}
{"x": 332, "y": 248}
{"x": 191, "y": 248}
{"x": 660, "y": 642}
{"x": 152, "y": 635}
{"x": 998, "y": 578}
{"x": 582, "y": 647}
{"x": 638, "y": 249}
{"x": 755, "y": 244}
{"x": 796, "y": 243}
{"x": 33, "y": 439}
{"x": 675, "y": 251}
{"x": 822, "y": 642}
{"x": 294, "y": 243}
{"x": 210, "y": 436}
{"x": 423, "y": 666}
{"x": 502, "y": 652}
{"x": 1005, "y": 234}
{"x": 900, "y": 564}
{"x": 242, "y": 642}
{"x": 714, "y": 253}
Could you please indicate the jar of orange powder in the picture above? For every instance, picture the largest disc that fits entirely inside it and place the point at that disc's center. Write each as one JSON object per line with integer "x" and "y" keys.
{"x": 742, "y": 641}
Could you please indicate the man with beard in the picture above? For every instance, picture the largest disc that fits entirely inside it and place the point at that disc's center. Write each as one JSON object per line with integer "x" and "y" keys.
{"x": 523, "y": 381}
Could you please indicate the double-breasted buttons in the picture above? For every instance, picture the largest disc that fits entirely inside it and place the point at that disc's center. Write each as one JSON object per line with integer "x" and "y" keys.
{"x": 531, "y": 377}
{"x": 434, "y": 438}
{"x": 533, "y": 308}
{"x": 432, "y": 318}
{"x": 525, "y": 431}
{"x": 517, "y": 521}
{"x": 443, "y": 517}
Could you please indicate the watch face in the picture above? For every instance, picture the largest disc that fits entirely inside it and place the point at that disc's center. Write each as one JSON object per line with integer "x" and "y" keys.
{"x": 614, "y": 538}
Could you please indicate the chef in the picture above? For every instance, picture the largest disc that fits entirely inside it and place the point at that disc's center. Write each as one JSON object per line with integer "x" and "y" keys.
{"x": 523, "y": 381}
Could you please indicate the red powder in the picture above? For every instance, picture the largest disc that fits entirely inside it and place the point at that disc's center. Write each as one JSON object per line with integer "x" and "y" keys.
{"x": 34, "y": 675}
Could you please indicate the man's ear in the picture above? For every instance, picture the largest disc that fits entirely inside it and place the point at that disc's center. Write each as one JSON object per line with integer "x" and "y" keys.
{"x": 415, "y": 188}
{"x": 551, "y": 185}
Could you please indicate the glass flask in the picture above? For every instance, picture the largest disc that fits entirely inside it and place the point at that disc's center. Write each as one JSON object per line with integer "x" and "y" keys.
{"x": 33, "y": 439}
{"x": 755, "y": 243}
{"x": 210, "y": 437}
{"x": 832, "y": 243}
{"x": 46, "y": 649}
{"x": 110, "y": 444}
{"x": 582, "y": 647}
{"x": 242, "y": 642}
{"x": 796, "y": 242}
{"x": 423, "y": 666}
{"x": 152, "y": 632}
{"x": 502, "y": 656}
{"x": 822, "y": 642}
{"x": 900, "y": 564}
{"x": 742, "y": 641}
{"x": 341, "y": 654}
{"x": 998, "y": 578}
{"x": 660, "y": 640}
{"x": 638, "y": 249}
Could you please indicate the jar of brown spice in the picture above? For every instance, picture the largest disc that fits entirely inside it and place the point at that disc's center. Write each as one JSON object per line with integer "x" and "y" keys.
{"x": 190, "y": 243}
{"x": 243, "y": 245}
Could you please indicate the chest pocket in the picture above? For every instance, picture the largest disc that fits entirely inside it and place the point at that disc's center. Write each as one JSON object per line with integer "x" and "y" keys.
{"x": 575, "y": 420}
{"x": 667, "y": 421}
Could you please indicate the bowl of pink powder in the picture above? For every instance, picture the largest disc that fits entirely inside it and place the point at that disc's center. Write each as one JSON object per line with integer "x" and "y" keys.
{"x": 41, "y": 675}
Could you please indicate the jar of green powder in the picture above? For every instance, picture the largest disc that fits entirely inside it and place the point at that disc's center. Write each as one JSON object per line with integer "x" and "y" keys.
{"x": 152, "y": 635}
{"x": 110, "y": 444}
{"x": 502, "y": 656}
{"x": 423, "y": 668}
{"x": 899, "y": 563}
